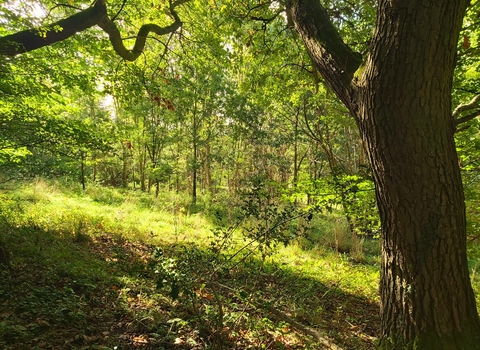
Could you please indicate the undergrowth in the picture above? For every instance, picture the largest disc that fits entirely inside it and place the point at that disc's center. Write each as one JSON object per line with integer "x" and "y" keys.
{"x": 116, "y": 269}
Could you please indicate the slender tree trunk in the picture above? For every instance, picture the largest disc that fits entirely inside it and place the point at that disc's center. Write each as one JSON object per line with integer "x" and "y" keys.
{"x": 125, "y": 165}
{"x": 133, "y": 176}
{"x": 194, "y": 173}
{"x": 208, "y": 169}
{"x": 82, "y": 170}
{"x": 177, "y": 166}
{"x": 95, "y": 170}
{"x": 194, "y": 154}
{"x": 142, "y": 168}
{"x": 296, "y": 166}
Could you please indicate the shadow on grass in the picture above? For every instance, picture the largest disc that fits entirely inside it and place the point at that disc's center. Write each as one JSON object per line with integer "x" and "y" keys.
{"x": 100, "y": 292}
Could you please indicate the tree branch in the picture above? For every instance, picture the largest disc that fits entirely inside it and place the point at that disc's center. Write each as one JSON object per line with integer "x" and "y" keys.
{"x": 467, "y": 106}
{"x": 333, "y": 58}
{"x": 473, "y": 104}
{"x": 120, "y": 10}
{"x": 131, "y": 55}
{"x": 256, "y": 7}
{"x": 467, "y": 118}
{"x": 32, "y": 39}
{"x": 62, "y": 5}
{"x": 268, "y": 20}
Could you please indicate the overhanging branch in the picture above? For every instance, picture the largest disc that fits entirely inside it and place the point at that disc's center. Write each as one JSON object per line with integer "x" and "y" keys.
{"x": 467, "y": 118}
{"x": 472, "y": 105}
{"x": 467, "y": 106}
{"x": 32, "y": 39}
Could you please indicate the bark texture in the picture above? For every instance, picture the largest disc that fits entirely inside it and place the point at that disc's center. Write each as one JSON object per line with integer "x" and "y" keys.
{"x": 402, "y": 105}
{"x": 406, "y": 123}
{"x": 333, "y": 58}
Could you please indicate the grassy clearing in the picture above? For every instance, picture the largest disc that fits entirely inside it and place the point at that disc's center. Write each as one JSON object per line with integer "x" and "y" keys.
{"x": 98, "y": 270}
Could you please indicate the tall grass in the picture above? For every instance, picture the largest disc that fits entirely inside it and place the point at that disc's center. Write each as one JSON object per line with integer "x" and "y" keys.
{"x": 135, "y": 215}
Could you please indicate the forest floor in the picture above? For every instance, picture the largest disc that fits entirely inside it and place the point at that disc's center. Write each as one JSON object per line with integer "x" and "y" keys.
{"x": 107, "y": 299}
{"x": 93, "y": 287}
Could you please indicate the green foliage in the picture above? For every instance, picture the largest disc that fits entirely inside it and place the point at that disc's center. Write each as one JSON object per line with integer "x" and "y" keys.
{"x": 71, "y": 266}
{"x": 230, "y": 110}
{"x": 354, "y": 195}
{"x": 174, "y": 273}
{"x": 44, "y": 122}
{"x": 267, "y": 219}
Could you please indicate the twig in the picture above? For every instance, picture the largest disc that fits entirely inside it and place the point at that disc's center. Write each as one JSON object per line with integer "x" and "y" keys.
{"x": 472, "y": 239}
{"x": 119, "y": 11}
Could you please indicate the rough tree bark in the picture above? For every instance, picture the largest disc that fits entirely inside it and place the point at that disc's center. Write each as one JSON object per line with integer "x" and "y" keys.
{"x": 402, "y": 105}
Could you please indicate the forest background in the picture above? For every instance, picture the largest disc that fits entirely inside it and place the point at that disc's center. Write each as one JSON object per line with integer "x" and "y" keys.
{"x": 189, "y": 169}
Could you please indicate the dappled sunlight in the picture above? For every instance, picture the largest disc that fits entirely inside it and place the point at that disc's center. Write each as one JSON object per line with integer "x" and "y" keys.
{"x": 106, "y": 283}
{"x": 235, "y": 174}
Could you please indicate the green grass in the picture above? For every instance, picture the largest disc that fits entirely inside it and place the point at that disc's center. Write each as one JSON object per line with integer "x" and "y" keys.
{"x": 134, "y": 215}
{"x": 84, "y": 275}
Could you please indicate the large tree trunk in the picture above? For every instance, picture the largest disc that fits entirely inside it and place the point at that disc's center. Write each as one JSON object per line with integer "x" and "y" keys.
{"x": 402, "y": 104}
{"x": 406, "y": 123}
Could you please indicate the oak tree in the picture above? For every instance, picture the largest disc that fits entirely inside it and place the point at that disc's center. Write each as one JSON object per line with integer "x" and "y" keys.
{"x": 400, "y": 94}
{"x": 401, "y": 101}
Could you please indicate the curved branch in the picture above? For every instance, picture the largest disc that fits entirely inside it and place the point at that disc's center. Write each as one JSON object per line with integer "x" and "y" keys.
{"x": 116, "y": 39}
{"x": 32, "y": 39}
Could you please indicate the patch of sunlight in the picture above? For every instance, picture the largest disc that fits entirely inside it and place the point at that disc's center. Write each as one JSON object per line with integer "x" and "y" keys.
{"x": 133, "y": 216}
{"x": 336, "y": 269}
